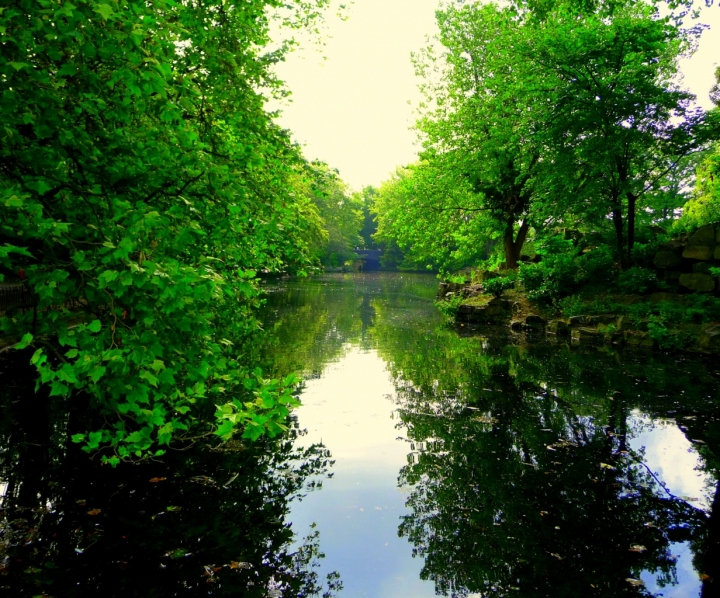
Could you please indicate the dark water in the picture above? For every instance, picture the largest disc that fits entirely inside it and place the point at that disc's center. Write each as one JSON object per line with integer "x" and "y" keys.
{"x": 452, "y": 463}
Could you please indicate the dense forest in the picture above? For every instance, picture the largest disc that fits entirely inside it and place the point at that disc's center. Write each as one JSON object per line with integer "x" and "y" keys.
{"x": 145, "y": 189}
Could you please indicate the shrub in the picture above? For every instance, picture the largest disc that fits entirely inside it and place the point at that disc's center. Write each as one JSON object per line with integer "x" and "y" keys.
{"x": 449, "y": 307}
{"x": 596, "y": 264}
{"x": 549, "y": 279}
{"x": 639, "y": 280}
{"x": 496, "y": 286}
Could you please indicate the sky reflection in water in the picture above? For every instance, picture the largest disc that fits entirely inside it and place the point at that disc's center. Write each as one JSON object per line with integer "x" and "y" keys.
{"x": 395, "y": 349}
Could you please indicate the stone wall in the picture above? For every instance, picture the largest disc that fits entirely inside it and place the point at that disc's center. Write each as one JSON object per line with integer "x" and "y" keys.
{"x": 685, "y": 263}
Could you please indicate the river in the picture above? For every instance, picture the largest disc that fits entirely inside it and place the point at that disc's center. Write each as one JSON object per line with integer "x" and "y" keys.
{"x": 425, "y": 460}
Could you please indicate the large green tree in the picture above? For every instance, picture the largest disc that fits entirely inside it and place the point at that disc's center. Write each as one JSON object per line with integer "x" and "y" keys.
{"x": 619, "y": 123}
{"x": 477, "y": 125}
{"x": 143, "y": 184}
{"x": 555, "y": 113}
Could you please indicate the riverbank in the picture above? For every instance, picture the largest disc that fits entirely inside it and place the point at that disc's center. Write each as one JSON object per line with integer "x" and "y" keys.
{"x": 662, "y": 320}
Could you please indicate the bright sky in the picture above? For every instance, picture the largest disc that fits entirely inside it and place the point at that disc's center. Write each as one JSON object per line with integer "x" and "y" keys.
{"x": 353, "y": 102}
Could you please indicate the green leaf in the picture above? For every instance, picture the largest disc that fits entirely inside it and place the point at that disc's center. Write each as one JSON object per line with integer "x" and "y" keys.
{"x": 94, "y": 326}
{"x": 225, "y": 430}
{"x": 24, "y": 341}
{"x": 104, "y": 10}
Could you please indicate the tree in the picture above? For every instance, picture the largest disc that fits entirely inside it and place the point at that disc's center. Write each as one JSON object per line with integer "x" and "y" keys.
{"x": 704, "y": 207}
{"x": 618, "y": 119}
{"x": 430, "y": 215}
{"x": 477, "y": 124}
{"x": 143, "y": 184}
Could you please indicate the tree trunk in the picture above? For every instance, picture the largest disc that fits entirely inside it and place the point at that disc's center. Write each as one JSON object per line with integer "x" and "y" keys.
{"x": 632, "y": 200}
{"x": 513, "y": 246}
{"x": 618, "y": 222}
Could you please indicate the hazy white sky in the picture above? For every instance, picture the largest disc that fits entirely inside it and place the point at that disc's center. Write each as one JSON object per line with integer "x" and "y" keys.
{"x": 353, "y": 102}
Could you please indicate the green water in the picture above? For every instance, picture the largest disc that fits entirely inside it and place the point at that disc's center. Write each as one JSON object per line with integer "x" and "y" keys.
{"x": 453, "y": 462}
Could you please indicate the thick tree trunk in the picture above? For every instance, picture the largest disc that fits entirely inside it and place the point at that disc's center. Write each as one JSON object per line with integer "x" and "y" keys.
{"x": 513, "y": 246}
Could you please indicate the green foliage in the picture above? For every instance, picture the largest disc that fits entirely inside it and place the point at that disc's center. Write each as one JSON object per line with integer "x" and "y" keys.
{"x": 496, "y": 286}
{"x": 638, "y": 281}
{"x": 144, "y": 185}
{"x": 449, "y": 307}
{"x": 569, "y": 119}
{"x": 425, "y": 218}
{"x": 340, "y": 214}
{"x": 554, "y": 276}
{"x": 704, "y": 206}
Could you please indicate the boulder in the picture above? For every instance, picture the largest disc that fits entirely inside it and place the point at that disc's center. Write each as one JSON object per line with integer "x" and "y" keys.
{"x": 495, "y": 309}
{"x": 472, "y": 291}
{"x": 709, "y": 338}
{"x": 577, "y": 321}
{"x": 535, "y": 322}
{"x": 603, "y": 319}
{"x": 638, "y": 339}
{"x": 671, "y": 276}
{"x": 449, "y": 287}
{"x": 587, "y": 335}
{"x": 625, "y": 323}
{"x": 705, "y": 235}
{"x": 702, "y": 283}
{"x": 627, "y": 299}
{"x": 699, "y": 252}
{"x": 701, "y": 268}
{"x": 666, "y": 258}
{"x": 558, "y": 327}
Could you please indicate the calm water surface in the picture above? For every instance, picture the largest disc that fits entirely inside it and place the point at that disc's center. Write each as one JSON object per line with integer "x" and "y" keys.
{"x": 430, "y": 461}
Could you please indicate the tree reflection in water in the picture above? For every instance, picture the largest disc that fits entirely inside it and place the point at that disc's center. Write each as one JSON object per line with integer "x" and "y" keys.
{"x": 522, "y": 478}
{"x": 201, "y": 522}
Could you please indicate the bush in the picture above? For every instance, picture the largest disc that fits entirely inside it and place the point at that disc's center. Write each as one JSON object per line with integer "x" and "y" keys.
{"x": 496, "y": 286}
{"x": 449, "y": 307}
{"x": 638, "y": 280}
{"x": 598, "y": 263}
{"x": 549, "y": 279}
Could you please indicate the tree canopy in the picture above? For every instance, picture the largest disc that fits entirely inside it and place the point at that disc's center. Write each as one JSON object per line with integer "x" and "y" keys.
{"x": 545, "y": 118}
{"x": 143, "y": 184}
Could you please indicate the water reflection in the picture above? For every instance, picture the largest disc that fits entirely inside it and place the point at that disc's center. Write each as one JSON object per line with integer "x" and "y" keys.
{"x": 204, "y": 521}
{"x": 532, "y": 469}
{"x": 466, "y": 463}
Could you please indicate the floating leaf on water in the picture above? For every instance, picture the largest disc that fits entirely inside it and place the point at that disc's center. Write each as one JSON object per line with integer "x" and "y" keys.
{"x": 606, "y": 466}
{"x": 543, "y": 513}
{"x": 173, "y": 509}
{"x": 178, "y": 553}
{"x": 705, "y": 577}
{"x": 697, "y": 441}
{"x": 81, "y": 502}
{"x": 635, "y": 582}
{"x": 239, "y": 565}
{"x": 637, "y": 548}
{"x": 156, "y": 480}
{"x": 94, "y": 512}
{"x": 557, "y": 556}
